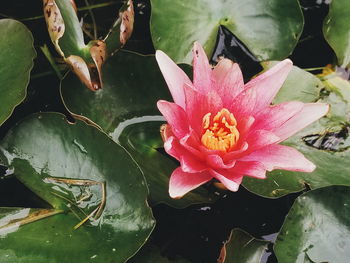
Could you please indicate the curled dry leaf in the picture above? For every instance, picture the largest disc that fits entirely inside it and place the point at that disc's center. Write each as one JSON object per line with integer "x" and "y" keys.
{"x": 86, "y": 65}
{"x": 127, "y": 22}
{"x": 80, "y": 68}
{"x": 98, "y": 54}
{"x": 55, "y": 23}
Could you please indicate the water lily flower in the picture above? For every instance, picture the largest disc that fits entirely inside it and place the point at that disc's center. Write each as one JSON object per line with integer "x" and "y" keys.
{"x": 219, "y": 127}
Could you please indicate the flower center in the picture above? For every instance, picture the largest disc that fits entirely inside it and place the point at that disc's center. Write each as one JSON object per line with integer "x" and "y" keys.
{"x": 220, "y": 133}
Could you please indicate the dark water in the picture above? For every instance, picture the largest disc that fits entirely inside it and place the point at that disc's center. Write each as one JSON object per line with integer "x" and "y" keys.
{"x": 197, "y": 232}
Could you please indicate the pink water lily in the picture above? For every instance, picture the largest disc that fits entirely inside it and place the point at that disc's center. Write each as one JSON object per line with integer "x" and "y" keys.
{"x": 219, "y": 127}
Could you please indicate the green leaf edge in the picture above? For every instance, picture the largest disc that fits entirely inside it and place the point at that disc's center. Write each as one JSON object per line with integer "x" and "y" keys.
{"x": 29, "y": 68}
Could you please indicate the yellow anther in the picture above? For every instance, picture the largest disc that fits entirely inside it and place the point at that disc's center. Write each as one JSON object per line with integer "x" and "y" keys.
{"x": 220, "y": 133}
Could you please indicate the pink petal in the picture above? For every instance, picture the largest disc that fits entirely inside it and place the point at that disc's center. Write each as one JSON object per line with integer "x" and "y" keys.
{"x": 255, "y": 140}
{"x": 197, "y": 105}
{"x": 237, "y": 153}
{"x": 252, "y": 169}
{"x": 181, "y": 182}
{"x": 191, "y": 143}
{"x": 174, "y": 77}
{"x": 228, "y": 81}
{"x": 260, "y": 91}
{"x": 308, "y": 114}
{"x": 201, "y": 69}
{"x": 216, "y": 162}
{"x": 244, "y": 125}
{"x": 281, "y": 157}
{"x": 191, "y": 164}
{"x": 259, "y": 138}
{"x": 171, "y": 146}
{"x": 274, "y": 117}
{"x": 230, "y": 180}
{"x": 175, "y": 116}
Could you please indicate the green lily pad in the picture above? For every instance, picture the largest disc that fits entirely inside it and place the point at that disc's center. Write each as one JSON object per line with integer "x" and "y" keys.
{"x": 325, "y": 142}
{"x": 336, "y": 30}
{"x": 242, "y": 248}
{"x": 16, "y": 55}
{"x": 269, "y": 28}
{"x": 132, "y": 86}
{"x": 300, "y": 85}
{"x": 97, "y": 193}
{"x": 317, "y": 228}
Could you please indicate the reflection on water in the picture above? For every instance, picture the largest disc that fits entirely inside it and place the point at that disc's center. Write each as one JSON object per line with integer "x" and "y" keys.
{"x": 116, "y": 133}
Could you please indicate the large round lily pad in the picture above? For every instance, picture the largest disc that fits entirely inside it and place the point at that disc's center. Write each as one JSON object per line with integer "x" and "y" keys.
{"x": 132, "y": 86}
{"x": 269, "y": 28}
{"x": 16, "y": 55}
{"x": 317, "y": 228}
{"x": 97, "y": 193}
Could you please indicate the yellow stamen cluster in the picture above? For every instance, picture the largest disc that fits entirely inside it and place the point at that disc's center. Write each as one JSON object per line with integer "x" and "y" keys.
{"x": 220, "y": 133}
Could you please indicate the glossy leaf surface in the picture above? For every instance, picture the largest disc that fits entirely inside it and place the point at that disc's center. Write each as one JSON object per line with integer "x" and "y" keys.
{"x": 242, "y": 248}
{"x": 78, "y": 170}
{"x": 325, "y": 142}
{"x": 336, "y": 30}
{"x": 16, "y": 55}
{"x": 317, "y": 228}
{"x": 270, "y": 29}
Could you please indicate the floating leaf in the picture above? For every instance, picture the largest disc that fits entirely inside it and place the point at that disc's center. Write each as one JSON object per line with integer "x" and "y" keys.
{"x": 129, "y": 98}
{"x": 242, "y": 248}
{"x": 78, "y": 170}
{"x": 317, "y": 228}
{"x": 300, "y": 85}
{"x": 269, "y": 28}
{"x": 325, "y": 143}
{"x": 16, "y": 55}
{"x": 336, "y": 30}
